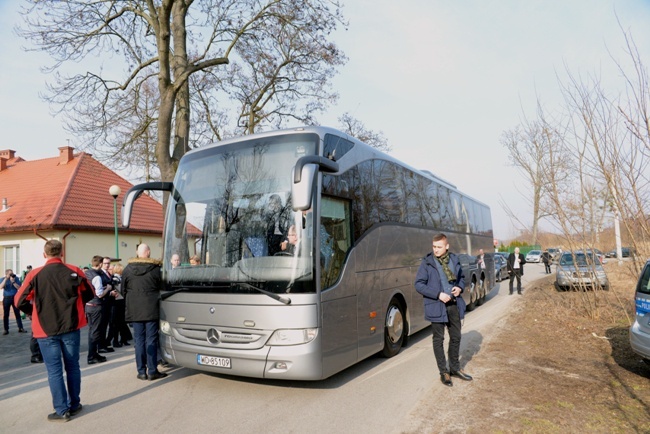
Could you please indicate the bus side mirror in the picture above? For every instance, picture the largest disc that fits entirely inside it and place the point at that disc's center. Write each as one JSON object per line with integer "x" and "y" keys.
{"x": 135, "y": 192}
{"x": 303, "y": 177}
{"x": 301, "y": 191}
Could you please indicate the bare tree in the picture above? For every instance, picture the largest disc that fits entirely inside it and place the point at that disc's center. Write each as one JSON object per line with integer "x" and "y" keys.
{"x": 171, "y": 41}
{"x": 356, "y": 128}
{"x": 535, "y": 148}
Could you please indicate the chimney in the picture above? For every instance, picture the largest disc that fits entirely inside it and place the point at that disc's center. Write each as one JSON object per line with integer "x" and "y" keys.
{"x": 8, "y": 154}
{"x": 5, "y": 206}
{"x": 3, "y": 164}
{"x": 66, "y": 154}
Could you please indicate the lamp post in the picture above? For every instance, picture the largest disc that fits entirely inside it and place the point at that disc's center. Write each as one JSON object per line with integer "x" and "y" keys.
{"x": 115, "y": 191}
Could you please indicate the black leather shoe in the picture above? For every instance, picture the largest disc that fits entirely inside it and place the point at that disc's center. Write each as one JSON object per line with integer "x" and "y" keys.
{"x": 446, "y": 379}
{"x": 56, "y": 417}
{"x": 76, "y": 411}
{"x": 117, "y": 345}
{"x": 97, "y": 359}
{"x": 519, "y": 292}
{"x": 142, "y": 376}
{"x": 106, "y": 350}
{"x": 156, "y": 375}
{"x": 126, "y": 343}
{"x": 36, "y": 359}
{"x": 21, "y": 331}
{"x": 460, "y": 374}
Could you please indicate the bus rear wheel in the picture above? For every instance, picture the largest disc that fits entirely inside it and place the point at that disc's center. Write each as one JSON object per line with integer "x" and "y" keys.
{"x": 472, "y": 296}
{"x": 480, "y": 297}
{"x": 394, "y": 329}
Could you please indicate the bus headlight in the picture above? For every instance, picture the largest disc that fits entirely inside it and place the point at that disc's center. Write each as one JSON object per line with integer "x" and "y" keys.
{"x": 292, "y": 337}
{"x": 165, "y": 327}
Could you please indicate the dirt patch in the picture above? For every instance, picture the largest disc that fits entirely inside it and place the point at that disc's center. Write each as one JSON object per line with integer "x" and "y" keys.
{"x": 560, "y": 362}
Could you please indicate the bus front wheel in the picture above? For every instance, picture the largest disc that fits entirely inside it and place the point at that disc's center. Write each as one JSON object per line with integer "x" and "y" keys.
{"x": 394, "y": 329}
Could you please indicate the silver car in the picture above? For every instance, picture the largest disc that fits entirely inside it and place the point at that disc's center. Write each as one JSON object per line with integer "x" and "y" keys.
{"x": 534, "y": 256}
{"x": 579, "y": 270}
{"x": 640, "y": 330}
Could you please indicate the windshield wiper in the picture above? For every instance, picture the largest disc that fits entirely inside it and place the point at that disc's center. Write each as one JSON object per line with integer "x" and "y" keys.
{"x": 168, "y": 294}
{"x": 270, "y": 294}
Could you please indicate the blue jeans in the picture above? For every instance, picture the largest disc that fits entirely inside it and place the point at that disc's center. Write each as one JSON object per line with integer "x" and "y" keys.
{"x": 146, "y": 346}
{"x": 52, "y": 348}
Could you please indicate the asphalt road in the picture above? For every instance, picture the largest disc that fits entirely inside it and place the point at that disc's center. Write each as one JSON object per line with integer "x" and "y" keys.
{"x": 377, "y": 395}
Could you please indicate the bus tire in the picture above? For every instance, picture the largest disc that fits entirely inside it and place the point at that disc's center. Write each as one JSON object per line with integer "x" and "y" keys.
{"x": 394, "y": 329}
{"x": 472, "y": 296}
{"x": 480, "y": 297}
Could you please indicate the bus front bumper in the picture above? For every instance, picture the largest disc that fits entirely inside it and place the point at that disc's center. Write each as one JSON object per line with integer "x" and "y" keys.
{"x": 294, "y": 362}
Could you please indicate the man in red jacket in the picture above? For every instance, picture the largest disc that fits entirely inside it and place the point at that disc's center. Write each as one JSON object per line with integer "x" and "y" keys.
{"x": 54, "y": 296}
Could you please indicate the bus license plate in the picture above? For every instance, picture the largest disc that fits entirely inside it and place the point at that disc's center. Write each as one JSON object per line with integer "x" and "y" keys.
{"x": 219, "y": 362}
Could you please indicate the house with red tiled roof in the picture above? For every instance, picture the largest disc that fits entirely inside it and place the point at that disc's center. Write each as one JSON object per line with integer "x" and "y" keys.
{"x": 67, "y": 198}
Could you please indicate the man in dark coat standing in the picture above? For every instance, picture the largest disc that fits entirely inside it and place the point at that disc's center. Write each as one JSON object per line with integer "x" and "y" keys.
{"x": 516, "y": 263}
{"x": 441, "y": 281}
{"x": 141, "y": 283}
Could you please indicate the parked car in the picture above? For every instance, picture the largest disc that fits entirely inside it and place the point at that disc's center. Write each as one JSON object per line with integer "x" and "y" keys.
{"x": 625, "y": 252}
{"x": 504, "y": 255}
{"x": 534, "y": 256}
{"x": 600, "y": 255}
{"x": 579, "y": 270}
{"x": 640, "y": 330}
{"x": 500, "y": 267}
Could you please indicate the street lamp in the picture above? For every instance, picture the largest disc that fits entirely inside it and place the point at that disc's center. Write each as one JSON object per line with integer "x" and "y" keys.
{"x": 115, "y": 191}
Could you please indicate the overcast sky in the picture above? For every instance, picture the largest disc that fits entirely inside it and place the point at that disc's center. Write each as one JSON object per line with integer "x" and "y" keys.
{"x": 441, "y": 79}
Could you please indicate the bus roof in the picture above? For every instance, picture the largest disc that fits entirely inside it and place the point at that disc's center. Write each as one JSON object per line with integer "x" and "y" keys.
{"x": 362, "y": 150}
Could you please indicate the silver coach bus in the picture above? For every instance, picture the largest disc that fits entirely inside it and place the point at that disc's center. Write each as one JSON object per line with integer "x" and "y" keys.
{"x": 339, "y": 289}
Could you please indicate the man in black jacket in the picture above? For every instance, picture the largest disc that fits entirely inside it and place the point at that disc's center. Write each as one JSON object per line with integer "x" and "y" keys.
{"x": 141, "y": 283}
{"x": 516, "y": 263}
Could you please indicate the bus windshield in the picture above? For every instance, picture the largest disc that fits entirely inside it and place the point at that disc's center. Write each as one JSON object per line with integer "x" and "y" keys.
{"x": 230, "y": 224}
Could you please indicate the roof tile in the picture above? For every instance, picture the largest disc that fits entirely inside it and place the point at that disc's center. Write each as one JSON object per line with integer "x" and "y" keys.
{"x": 50, "y": 194}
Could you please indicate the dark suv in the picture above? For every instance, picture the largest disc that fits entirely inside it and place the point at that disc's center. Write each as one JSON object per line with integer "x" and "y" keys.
{"x": 626, "y": 252}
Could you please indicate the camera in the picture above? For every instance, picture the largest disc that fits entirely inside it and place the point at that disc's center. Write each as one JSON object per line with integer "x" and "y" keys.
{"x": 13, "y": 276}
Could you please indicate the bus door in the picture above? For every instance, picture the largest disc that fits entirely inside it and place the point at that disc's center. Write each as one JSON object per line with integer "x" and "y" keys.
{"x": 339, "y": 301}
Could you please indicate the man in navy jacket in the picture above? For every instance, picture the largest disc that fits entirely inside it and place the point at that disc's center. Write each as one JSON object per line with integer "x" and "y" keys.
{"x": 441, "y": 282}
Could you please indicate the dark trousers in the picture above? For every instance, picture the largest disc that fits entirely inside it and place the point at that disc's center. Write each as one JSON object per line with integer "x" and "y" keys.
{"x": 34, "y": 348}
{"x": 547, "y": 265}
{"x": 118, "y": 331}
{"x": 145, "y": 335}
{"x": 94, "y": 318}
{"x": 515, "y": 274}
{"x": 438, "y": 336}
{"x": 107, "y": 309}
{"x": 7, "y": 305}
